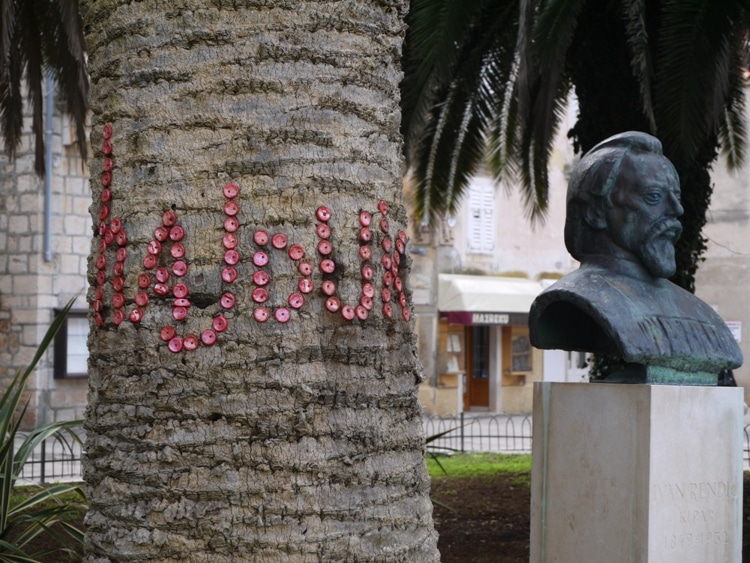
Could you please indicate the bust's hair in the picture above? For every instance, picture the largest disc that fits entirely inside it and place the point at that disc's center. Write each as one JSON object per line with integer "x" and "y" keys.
{"x": 593, "y": 179}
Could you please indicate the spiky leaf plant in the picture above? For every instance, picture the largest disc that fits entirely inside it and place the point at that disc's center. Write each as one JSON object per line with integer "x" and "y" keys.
{"x": 22, "y": 517}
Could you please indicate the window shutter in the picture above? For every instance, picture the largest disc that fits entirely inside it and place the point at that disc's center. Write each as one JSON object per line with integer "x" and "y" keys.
{"x": 481, "y": 231}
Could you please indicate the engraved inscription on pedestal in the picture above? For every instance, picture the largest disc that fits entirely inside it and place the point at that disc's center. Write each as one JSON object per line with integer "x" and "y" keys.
{"x": 694, "y": 517}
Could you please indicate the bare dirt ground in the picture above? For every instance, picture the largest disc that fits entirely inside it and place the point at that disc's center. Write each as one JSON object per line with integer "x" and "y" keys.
{"x": 491, "y": 519}
{"x": 490, "y": 522}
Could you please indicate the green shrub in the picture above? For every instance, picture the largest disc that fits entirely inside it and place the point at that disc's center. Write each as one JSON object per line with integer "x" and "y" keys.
{"x": 23, "y": 517}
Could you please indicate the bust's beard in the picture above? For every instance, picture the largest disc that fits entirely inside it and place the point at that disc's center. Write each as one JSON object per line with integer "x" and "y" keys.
{"x": 658, "y": 257}
{"x": 657, "y": 253}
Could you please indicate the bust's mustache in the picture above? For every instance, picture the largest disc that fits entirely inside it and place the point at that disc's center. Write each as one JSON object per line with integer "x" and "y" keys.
{"x": 666, "y": 228}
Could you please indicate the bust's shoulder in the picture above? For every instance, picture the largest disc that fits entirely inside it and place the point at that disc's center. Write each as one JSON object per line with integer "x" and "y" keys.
{"x": 643, "y": 320}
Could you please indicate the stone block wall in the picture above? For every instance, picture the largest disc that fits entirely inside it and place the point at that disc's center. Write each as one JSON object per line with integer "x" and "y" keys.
{"x": 31, "y": 286}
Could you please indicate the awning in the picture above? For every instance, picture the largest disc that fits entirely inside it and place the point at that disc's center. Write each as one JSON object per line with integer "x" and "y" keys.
{"x": 486, "y": 300}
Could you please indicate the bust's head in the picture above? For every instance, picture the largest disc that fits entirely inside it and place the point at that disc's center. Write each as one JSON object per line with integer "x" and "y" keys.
{"x": 623, "y": 201}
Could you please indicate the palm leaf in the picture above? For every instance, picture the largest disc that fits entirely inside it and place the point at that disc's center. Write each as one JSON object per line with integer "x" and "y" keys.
{"x": 502, "y": 141}
{"x": 435, "y": 30}
{"x": 450, "y": 145}
{"x": 7, "y": 16}
{"x": 694, "y": 71}
{"x": 537, "y": 144}
{"x": 542, "y": 93}
{"x": 38, "y": 36}
{"x": 65, "y": 56}
{"x": 31, "y": 52}
{"x": 732, "y": 128}
{"x": 634, "y": 14}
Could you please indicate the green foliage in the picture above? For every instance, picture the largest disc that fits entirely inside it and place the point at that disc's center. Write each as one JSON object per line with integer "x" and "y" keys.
{"x": 23, "y": 517}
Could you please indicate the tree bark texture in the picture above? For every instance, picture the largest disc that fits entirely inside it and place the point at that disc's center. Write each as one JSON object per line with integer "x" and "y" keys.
{"x": 296, "y": 438}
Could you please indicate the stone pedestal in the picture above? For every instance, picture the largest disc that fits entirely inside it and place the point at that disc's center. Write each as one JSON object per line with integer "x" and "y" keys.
{"x": 636, "y": 473}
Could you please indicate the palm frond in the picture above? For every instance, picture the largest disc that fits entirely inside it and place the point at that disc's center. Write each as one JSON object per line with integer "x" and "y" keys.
{"x": 436, "y": 30}
{"x": 455, "y": 150}
{"x": 448, "y": 144}
{"x": 732, "y": 128}
{"x": 634, "y": 14}
{"x": 7, "y": 17}
{"x": 526, "y": 71}
{"x": 542, "y": 99}
{"x": 65, "y": 58}
{"x": 11, "y": 99}
{"x": 28, "y": 33}
{"x": 537, "y": 143}
{"x": 38, "y": 36}
{"x": 502, "y": 138}
{"x": 693, "y": 75}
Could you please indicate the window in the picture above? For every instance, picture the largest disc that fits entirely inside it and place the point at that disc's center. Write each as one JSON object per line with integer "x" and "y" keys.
{"x": 71, "y": 353}
{"x": 481, "y": 223}
{"x": 520, "y": 350}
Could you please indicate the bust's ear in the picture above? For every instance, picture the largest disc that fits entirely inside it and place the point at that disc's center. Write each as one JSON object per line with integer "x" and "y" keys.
{"x": 596, "y": 216}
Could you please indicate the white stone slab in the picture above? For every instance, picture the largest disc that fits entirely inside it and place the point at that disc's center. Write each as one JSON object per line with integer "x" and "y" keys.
{"x": 636, "y": 473}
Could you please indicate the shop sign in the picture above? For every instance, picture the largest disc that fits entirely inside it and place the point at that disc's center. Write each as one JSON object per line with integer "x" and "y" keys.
{"x": 490, "y": 318}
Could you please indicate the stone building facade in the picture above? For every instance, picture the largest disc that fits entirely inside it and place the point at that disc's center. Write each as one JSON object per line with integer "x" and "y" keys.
{"x": 45, "y": 240}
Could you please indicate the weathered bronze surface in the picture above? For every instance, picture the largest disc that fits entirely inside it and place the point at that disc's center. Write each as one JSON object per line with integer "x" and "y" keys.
{"x": 622, "y": 222}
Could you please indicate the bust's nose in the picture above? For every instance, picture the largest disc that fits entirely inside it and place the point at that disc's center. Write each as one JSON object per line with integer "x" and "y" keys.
{"x": 674, "y": 207}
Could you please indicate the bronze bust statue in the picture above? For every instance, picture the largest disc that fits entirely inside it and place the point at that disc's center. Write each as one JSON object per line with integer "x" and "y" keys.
{"x": 623, "y": 205}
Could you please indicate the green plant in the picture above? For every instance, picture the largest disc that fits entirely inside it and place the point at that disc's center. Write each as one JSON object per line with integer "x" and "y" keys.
{"x": 432, "y": 453}
{"x": 434, "y": 456}
{"x": 24, "y": 517}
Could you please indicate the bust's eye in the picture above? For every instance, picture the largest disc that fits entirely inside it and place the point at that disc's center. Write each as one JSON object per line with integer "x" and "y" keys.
{"x": 652, "y": 198}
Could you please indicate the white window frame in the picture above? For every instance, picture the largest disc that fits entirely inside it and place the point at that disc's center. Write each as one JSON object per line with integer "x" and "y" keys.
{"x": 70, "y": 351}
{"x": 480, "y": 206}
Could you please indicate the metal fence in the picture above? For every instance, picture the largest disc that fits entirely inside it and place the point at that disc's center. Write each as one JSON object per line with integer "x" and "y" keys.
{"x": 469, "y": 432}
{"x": 500, "y": 433}
{"x": 56, "y": 460}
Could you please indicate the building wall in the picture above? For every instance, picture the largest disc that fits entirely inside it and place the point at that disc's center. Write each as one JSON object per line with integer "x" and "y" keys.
{"x": 723, "y": 279}
{"x": 31, "y": 286}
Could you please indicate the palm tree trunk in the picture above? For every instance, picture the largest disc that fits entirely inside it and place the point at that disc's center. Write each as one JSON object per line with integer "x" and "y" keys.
{"x": 297, "y": 438}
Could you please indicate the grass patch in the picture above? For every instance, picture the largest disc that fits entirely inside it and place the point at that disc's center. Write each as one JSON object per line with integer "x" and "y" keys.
{"x": 77, "y": 504}
{"x": 478, "y": 465}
